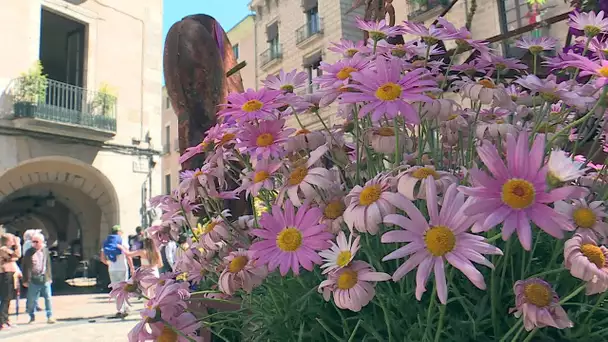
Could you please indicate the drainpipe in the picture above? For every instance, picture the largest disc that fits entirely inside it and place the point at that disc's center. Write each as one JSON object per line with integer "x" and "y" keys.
{"x": 143, "y": 52}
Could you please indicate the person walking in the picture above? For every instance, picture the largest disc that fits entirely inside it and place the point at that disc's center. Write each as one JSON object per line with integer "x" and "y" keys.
{"x": 10, "y": 252}
{"x": 167, "y": 252}
{"x": 149, "y": 255}
{"x": 118, "y": 264}
{"x": 136, "y": 242}
{"x": 37, "y": 277}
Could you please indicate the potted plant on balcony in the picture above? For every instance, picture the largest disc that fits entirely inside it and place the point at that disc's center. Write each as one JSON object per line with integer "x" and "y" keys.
{"x": 103, "y": 105}
{"x": 29, "y": 91}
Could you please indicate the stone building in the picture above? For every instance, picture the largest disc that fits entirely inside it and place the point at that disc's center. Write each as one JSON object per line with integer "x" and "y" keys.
{"x": 78, "y": 151}
{"x": 242, "y": 38}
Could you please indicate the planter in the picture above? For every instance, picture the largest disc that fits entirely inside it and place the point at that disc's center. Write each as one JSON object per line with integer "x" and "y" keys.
{"x": 25, "y": 109}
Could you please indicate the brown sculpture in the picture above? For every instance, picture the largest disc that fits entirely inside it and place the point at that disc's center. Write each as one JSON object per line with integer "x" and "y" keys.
{"x": 197, "y": 58}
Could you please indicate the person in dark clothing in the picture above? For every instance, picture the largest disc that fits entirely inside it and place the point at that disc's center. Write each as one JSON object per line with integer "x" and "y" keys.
{"x": 136, "y": 242}
{"x": 10, "y": 252}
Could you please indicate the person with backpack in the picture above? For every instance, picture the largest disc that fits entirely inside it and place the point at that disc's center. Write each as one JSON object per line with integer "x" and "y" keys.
{"x": 117, "y": 262}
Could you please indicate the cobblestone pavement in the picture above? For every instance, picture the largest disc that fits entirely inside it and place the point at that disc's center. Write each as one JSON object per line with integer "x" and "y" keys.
{"x": 80, "y": 318}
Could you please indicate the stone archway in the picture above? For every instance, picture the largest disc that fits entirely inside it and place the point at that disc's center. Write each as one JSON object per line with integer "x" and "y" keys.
{"x": 83, "y": 189}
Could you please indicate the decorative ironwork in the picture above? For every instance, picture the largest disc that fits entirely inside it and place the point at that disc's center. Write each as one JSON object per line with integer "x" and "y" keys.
{"x": 311, "y": 28}
{"x": 69, "y": 104}
{"x": 271, "y": 54}
{"x": 420, "y": 7}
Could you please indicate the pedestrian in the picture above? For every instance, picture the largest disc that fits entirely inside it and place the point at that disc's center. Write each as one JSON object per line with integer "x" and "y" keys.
{"x": 150, "y": 256}
{"x": 136, "y": 242}
{"x": 167, "y": 252}
{"x": 37, "y": 277}
{"x": 10, "y": 252}
{"x": 118, "y": 264}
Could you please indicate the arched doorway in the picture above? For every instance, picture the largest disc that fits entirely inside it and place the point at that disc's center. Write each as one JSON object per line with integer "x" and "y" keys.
{"x": 65, "y": 197}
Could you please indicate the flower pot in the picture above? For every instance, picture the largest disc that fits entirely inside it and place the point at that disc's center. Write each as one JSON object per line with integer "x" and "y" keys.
{"x": 25, "y": 109}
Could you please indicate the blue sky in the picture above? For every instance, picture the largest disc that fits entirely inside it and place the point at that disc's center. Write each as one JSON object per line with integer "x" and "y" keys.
{"x": 227, "y": 12}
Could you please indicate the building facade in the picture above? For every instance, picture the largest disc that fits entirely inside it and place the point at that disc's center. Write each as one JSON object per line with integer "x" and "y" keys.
{"x": 242, "y": 38}
{"x": 78, "y": 146}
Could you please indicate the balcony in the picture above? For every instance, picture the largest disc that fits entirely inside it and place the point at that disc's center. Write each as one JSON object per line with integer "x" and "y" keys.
{"x": 271, "y": 56}
{"x": 421, "y": 10}
{"x": 176, "y": 145}
{"x": 309, "y": 31}
{"x": 166, "y": 148}
{"x": 64, "y": 104}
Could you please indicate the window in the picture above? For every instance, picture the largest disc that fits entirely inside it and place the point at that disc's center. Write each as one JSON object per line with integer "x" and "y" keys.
{"x": 167, "y": 102}
{"x": 167, "y": 144}
{"x": 235, "y": 51}
{"x": 168, "y": 184}
{"x": 312, "y": 20}
{"x": 273, "y": 40}
{"x": 312, "y": 64}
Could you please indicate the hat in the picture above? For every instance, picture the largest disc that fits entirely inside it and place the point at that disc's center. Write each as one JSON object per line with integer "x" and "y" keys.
{"x": 116, "y": 229}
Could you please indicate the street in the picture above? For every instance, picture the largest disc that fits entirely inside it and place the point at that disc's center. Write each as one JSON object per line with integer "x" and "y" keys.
{"x": 80, "y": 318}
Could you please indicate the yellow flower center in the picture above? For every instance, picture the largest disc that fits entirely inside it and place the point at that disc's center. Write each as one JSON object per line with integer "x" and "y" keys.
{"x": 594, "y": 254}
{"x": 334, "y": 209}
{"x": 376, "y": 35}
{"x": 370, "y": 194}
{"x": 538, "y": 294}
{"x": 351, "y": 52}
{"x": 198, "y": 173}
{"x": 584, "y": 217}
{"x": 518, "y": 193}
{"x": 131, "y": 288}
{"x": 264, "y": 140}
{"x": 592, "y": 30}
{"x": 168, "y": 335}
{"x": 424, "y": 172}
{"x": 208, "y": 227}
{"x": 343, "y": 258}
{"x": 297, "y": 176}
{"x": 487, "y": 83}
{"x": 303, "y": 131}
{"x": 228, "y": 137}
{"x": 289, "y": 239}
{"x": 260, "y": 176}
{"x": 347, "y": 280}
{"x": 386, "y": 132}
{"x": 603, "y": 71}
{"x": 439, "y": 240}
{"x": 345, "y": 73}
{"x": 252, "y": 106}
{"x": 238, "y": 263}
{"x": 388, "y": 91}
{"x": 288, "y": 88}
{"x": 182, "y": 276}
{"x": 536, "y": 49}
{"x": 452, "y": 117}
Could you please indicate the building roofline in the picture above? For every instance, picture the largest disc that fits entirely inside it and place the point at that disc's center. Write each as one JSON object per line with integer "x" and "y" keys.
{"x": 241, "y": 21}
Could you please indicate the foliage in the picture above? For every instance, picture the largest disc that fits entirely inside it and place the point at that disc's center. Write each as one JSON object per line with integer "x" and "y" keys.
{"x": 31, "y": 86}
{"x": 105, "y": 99}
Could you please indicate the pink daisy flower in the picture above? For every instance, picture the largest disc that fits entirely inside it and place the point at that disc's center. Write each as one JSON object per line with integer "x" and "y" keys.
{"x": 503, "y": 63}
{"x": 301, "y": 178}
{"x": 379, "y": 30}
{"x": 516, "y": 192}
{"x": 122, "y": 291}
{"x": 333, "y": 210}
{"x": 443, "y": 238}
{"x": 588, "y": 218}
{"x": 264, "y": 140}
{"x": 286, "y": 82}
{"x": 260, "y": 177}
{"x": 290, "y": 239}
{"x": 388, "y": 92}
{"x": 352, "y": 286}
{"x": 193, "y": 151}
{"x": 251, "y": 105}
{"x": 598, "y": 68}
{"x": 338, "y": 74}
{"x": 539, "y": 305}
{"x": 412, "y": 182}
{"x": 431, "y": 35}
{"x": 341, "y": 253}
{"x": 536, "y": 45}
{"x": 367, "y": 205}
{"x": 241, "y": 272}
{"x": 347, "y": 48}
{"x": 305, "y": 140}
{"x": 589, "y": 22}
{"x": 214, "y": 233}
{"x": 587, "y": 261}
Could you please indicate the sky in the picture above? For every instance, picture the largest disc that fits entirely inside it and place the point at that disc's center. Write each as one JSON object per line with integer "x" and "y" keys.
{"x": 227, "y": 12}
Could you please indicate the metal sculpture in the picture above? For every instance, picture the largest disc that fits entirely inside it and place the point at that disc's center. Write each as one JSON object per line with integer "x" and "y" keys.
{"x": 200, "y": 71}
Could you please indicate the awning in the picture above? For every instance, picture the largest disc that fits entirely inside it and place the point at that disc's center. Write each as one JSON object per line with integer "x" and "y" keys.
{"x": 272, "y": 31}
{"x": 313, "y": 59}
{"x": 309, "y": 4}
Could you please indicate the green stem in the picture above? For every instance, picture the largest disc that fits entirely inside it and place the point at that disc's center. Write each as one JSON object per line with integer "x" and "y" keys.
{"x": 397, "y": 152}
{"x": 573, "y": 294}
{"x": 597, "y": 304}
{"x": 513, "y": 328}
{"x": 357, "y": 134}
{"x": 530, "y": 335}
{"x": 440, "y": 324}
{"x": 557, "y": 270}
{"x": 429, "y": 310}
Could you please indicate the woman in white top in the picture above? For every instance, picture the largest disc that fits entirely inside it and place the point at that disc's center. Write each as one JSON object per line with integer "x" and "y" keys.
{"x": 149, "y": 255}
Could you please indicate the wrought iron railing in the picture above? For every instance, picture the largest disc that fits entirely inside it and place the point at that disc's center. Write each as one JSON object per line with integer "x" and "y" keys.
{"x": 311, "y": 28}
{"x": 66, "y": 103}
{"x": 273, "y": 53}
{"x": 420, "y": 7}
{"x": 176, "y": 145}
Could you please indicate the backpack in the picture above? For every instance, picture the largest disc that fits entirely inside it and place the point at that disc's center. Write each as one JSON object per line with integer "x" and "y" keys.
{"x": 110, "y": 247}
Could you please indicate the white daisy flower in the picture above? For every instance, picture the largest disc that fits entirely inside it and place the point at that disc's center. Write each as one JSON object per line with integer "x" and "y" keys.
{"x": 563, "y": 169}
{"x": 340, "y": 254}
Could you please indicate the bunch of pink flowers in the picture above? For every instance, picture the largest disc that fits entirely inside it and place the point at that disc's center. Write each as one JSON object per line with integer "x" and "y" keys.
{"x": 432, "y": 165}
